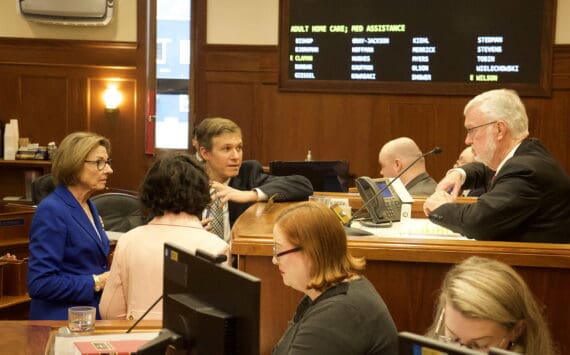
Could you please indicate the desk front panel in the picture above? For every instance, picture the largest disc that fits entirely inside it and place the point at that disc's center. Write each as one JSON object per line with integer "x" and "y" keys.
{"x": 406, "y": 272}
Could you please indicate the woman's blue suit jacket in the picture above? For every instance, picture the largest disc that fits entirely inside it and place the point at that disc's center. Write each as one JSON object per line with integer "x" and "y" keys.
{"x": 65, "y": 253}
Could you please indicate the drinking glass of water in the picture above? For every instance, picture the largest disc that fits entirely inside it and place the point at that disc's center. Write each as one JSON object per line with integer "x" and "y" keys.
{"x": 81, "y": 319}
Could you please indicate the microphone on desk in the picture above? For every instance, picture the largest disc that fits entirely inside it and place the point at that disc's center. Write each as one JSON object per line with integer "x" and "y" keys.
{"x": 436, "y": 150}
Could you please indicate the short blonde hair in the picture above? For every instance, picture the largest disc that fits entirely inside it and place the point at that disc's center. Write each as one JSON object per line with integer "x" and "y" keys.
{"x": 316, "y": 229}
{"x": 71, "y": 153}
{"x": 483, "y": 288}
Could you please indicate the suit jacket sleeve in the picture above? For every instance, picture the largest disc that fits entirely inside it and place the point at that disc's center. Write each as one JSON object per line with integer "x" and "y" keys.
{"x": 477, "y": 176}
{"x": 514, "y": 197}
{"x": 284, "y": 188}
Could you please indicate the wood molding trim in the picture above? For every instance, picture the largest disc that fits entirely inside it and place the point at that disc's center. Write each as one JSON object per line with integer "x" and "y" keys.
{"x": 30, "y": 52}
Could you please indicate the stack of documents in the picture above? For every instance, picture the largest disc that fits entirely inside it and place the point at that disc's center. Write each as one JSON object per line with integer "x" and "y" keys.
{"x": 423, "y": 227}
{"x": 65, "y": 345}
{"x": 412, "y": 228}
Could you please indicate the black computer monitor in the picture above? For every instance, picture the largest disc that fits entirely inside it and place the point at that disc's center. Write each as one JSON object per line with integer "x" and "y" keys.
{"x": 325, "y": 175}
{"x": 415, "y": 344}
{"x": 495, "y": 351}
{"x": 208, "y": 308}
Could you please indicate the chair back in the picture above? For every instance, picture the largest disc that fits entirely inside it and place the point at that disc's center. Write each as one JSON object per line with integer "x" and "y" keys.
{"x": 120, "y": 212}
{"x": 42, "y": 187}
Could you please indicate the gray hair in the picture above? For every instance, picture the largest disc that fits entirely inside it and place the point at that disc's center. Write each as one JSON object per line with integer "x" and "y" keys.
{"x": 505, "y": 105}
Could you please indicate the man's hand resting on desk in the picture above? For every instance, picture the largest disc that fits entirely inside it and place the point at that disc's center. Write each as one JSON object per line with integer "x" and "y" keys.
{"x": 227, "y": 193}
{"x": 451, "y": 183}
{"x": 437, "y": 199}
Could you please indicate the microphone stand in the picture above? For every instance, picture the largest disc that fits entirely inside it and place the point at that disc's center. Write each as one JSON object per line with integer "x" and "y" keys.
{"x": 436, "y": 150}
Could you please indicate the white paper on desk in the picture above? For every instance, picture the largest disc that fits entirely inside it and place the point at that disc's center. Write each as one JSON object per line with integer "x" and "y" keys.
{"x": 379, "y": 231}
{"x": 424, "y": 228}
{"x": 412, "y": 228}
{"x": 65, "y": 345}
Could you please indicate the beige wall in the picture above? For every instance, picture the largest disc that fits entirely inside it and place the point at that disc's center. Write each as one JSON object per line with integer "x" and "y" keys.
{"x": 255, "y": 22}
{"x": 229, "y": 22}
{"x": 123, "y": 27}
{"x": 243, "y": 21}
{"x": 562, "y": 23}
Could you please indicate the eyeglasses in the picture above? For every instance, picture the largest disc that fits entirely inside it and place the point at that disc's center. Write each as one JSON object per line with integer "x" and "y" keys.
{"x": 100, "y": 163}
{"x": 471, "y": 130}
{"x": 473, "y": 345}
{"x": 285, "y": 252}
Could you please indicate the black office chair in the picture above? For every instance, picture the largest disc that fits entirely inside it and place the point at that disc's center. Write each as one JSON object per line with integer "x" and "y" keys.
{"x": 120, "y": 212}
{"x": 42, "y": 187}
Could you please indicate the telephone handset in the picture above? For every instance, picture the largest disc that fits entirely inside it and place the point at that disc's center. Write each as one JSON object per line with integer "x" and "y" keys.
{"x": 384, "y": 207}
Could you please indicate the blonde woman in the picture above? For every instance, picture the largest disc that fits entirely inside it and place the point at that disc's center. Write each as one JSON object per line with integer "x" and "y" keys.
{"x": 68, "y": 246}
{"x": 484, "y": 303}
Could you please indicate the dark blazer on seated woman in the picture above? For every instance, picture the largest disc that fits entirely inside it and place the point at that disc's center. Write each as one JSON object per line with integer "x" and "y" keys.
{"x": 65, "y": 253}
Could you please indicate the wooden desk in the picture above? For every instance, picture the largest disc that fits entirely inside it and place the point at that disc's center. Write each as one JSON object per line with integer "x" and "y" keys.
{"x": 16, "y": 176}
{"x": 355, "y": 201}
{"x": 36, "y": 337}
{"x": 406, "y": 272}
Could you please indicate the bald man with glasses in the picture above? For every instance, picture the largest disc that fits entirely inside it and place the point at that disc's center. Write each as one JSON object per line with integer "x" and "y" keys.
{"x": 527, "y": 190}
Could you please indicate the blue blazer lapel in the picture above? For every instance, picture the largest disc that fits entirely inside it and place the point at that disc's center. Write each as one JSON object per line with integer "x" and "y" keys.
{"x": 77, "y": 213}
{"x": 104, "y": 241}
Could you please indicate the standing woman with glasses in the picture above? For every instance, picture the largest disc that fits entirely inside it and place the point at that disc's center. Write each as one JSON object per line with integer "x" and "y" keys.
{"x": 484, "y": 303}
{"x": 68, "y": 247}
{"x": 341, "y": 312}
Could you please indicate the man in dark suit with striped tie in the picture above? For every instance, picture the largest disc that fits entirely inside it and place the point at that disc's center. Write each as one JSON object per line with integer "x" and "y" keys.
{"x": 235, "y": 183}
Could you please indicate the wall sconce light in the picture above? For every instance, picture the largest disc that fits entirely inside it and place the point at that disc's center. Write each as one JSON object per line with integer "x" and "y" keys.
{"x": 112, "y": 98}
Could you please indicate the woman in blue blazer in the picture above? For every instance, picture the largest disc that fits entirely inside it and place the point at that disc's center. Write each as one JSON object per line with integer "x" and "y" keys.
{"x": 68, "y": 247}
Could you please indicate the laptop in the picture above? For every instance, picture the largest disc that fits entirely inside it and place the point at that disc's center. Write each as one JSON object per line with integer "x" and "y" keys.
{"x": 415, "y": 344}
{"x": 325, "y": 175}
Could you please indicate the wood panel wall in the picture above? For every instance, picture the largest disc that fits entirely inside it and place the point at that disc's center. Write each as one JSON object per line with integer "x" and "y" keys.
{"x": 241, "y": 83}
{"x": 54, "y": 87}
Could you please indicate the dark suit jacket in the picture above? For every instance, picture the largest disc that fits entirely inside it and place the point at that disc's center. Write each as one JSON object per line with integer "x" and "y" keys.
{"x": 421, "y": 185}
{"x": 527, "y": 201}
{"x": 284, "y": 188}
{"x": 65, "y": 253}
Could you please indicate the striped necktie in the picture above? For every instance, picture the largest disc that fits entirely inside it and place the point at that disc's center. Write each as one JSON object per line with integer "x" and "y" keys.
{"x": 217, "y": 213}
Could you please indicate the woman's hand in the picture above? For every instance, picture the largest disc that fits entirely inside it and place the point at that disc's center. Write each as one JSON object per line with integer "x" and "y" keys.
{"x": 100, "y": 280}
{"x": 206, "y": 223}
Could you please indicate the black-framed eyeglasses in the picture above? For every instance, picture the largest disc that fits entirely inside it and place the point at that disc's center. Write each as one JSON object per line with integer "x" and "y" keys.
{"x": 100, "y": 163}
{"x": 471, "y": 130}
{"x": 473, "y": 345}
{"x": 284, "y": 252}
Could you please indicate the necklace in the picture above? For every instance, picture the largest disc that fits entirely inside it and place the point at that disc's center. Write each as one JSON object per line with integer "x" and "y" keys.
{"x": 173, "y": 225}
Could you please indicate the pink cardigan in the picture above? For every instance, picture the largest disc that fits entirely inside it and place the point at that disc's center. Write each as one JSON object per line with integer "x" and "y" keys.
{"x": 135, "y": 280}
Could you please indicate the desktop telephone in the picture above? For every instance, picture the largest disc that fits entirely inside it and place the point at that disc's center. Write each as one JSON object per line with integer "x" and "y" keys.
{"x": 384, "y": 207}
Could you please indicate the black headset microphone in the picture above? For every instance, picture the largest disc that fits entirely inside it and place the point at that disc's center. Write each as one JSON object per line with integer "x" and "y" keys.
{"x": 436, "y": 150}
